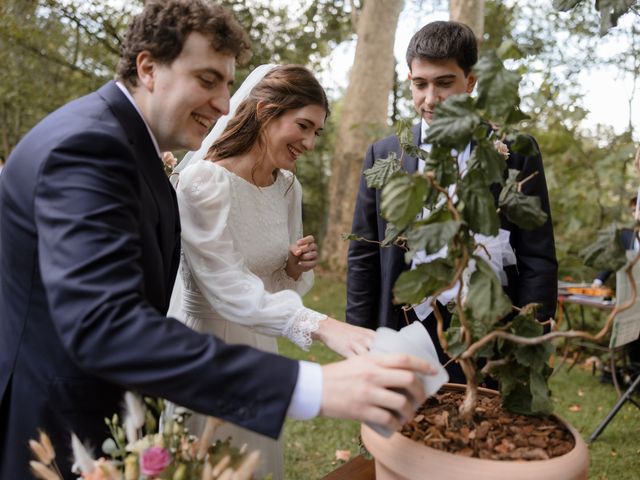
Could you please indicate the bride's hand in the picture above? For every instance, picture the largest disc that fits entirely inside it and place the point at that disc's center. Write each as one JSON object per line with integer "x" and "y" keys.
{"x": 344, "y": 339}
{"x": 303, "y": 256}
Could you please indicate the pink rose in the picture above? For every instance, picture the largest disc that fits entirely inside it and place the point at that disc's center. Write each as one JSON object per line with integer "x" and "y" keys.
{"x": 154, "y": 460}
{"x": 169, "y": 160}
{"x": 501, "y": 148}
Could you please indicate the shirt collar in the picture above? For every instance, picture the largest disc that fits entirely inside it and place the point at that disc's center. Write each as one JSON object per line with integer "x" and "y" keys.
{"x": 133, "y": 102}
{"x": 424, "y": 126}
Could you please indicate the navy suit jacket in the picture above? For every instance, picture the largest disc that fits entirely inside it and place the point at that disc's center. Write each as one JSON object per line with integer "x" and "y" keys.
{"x": 89, "y": 250}
{"x": 372, "y": 271}
{"x": 627, "y": 239}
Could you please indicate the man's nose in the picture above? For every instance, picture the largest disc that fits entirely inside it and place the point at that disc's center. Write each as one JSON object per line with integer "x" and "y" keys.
{"x": 431, "y": 97}
{"x": 220, "y": 101}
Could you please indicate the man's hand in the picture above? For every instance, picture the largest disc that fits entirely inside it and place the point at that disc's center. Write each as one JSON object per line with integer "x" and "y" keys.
{"x": 303, "y": 256}
{"x": 382, "y": 389}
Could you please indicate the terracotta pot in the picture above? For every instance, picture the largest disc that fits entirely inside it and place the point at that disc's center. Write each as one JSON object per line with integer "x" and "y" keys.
{"x": 400, "y": 458}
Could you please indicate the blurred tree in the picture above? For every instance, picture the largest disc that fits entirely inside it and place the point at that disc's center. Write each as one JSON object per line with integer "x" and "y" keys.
{"x": 50, "y": 52}
{"x": 364, "y": 113}
{"x": 469, "y": 12}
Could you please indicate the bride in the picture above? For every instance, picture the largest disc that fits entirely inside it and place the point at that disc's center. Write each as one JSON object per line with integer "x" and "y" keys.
{"x": 245, "y": 263}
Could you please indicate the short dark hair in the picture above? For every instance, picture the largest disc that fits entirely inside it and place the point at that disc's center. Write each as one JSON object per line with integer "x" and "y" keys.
{"x": 443, "y": 40}
{"x": 163, "y": 26}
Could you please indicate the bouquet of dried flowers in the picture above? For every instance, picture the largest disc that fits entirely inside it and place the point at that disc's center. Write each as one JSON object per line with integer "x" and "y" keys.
{"x": 143, "y": 448}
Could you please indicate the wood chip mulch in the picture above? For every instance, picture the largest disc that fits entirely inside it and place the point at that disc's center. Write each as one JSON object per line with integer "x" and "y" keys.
{"x": 493, "y": 434}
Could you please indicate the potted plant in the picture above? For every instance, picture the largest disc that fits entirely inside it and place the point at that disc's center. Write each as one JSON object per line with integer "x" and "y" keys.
{"x": 515, "y": 347}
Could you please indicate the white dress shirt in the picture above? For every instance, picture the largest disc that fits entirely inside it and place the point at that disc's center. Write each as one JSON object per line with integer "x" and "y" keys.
{"x": 497, "y": 250}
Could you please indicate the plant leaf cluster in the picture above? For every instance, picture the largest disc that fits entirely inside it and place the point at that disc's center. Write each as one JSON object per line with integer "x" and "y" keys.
{"x": 458, "y": 204}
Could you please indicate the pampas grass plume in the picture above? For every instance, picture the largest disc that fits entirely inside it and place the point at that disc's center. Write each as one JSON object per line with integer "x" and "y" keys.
{"x": 41, "y": 471}
{"x": 81, "y": 455}
{"x": 135, "y": 409}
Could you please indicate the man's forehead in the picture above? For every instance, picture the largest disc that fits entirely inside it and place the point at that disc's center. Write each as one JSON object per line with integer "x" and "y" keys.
{"x": 427, "y": 68}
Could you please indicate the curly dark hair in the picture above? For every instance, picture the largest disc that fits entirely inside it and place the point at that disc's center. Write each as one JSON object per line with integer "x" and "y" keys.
{"x": 444, "y": 40}
{"x": 163, "y": 26}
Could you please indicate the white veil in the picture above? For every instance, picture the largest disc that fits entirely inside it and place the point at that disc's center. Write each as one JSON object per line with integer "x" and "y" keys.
{"x": 243, "y": 92}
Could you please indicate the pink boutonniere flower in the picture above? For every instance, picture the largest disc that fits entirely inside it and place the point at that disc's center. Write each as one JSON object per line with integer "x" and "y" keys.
{"x": 501, "y": 148}
{"x": 169, "y": 160}
{"x": 154, "y": 460}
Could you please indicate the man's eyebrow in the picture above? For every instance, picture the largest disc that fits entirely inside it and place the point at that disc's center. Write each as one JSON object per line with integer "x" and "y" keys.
{"x": 446, "y": 76}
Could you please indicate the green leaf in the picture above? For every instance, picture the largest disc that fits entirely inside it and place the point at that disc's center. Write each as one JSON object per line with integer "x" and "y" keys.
{"x": 526, "y": 326}
{"x": 453, "y": 123}
{"x": 565, "y": 5}
{"x": 415, "y": 285}
{"x": 497, "y": 86}
{"x": 432, "y": 236}
{"x": 454, "y": 339}
{"x": 486, "y": 300}
{"x": 414, "y": 151}
{"x": 508, "y": 377}
{"x": 540, "y": 395}
{"x": 404, "y": 132}
{"x": 443, "y": 165}
{"x": 515, "y": 116}
{"x": 509, "y": 50}
{"x": 402, "y": 198}
{"x": 518, "y": 400}
{"x": 523, "y": 210}
{"x": 522, "y": 144}
{"x": 534, "y": 356}
{"x": 350, "y": 236}
{"x": 607, "y": 252}
{"x": 391, "y": 234}
{"x": 487, "y": 160}
{"x": 479, "y": 209}
{"x": 383, "y": 168}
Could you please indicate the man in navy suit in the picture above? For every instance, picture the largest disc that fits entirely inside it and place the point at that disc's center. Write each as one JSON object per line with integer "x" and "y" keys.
{"x": 89, "y": 249}
{"x": 441, "y": 57}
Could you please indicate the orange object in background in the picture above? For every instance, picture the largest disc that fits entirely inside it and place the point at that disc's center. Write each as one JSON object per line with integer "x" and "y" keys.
{"x": 591, "y": 291}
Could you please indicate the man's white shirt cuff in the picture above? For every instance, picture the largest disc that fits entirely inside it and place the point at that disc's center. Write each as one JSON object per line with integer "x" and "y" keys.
{"x": 307, "y": 395}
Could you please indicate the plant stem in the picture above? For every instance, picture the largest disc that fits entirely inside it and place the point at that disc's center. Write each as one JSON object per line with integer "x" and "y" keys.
{"x": 468, "y": 405}
{"x": 568, "y": 334}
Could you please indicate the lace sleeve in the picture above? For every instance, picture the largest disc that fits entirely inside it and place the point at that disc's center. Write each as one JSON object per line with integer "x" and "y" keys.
{"x": 218, "y": 268}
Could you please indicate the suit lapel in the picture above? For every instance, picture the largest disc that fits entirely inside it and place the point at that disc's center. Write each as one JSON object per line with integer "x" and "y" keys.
{"x": 152, "y": 172}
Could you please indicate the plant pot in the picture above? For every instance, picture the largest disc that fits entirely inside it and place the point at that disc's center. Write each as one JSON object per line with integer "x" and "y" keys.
{"x": 400, "y": 458}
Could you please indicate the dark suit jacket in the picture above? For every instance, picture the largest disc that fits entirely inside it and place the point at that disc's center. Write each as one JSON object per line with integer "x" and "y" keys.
{"x": 372, "y": 271}
{"x": 89, "y": 251}
{"x": 627, "y": 238}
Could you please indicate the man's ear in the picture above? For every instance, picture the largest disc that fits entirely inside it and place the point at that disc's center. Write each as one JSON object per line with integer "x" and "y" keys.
{"x": 146, "y": 69}
{"x": 471, "y": 82}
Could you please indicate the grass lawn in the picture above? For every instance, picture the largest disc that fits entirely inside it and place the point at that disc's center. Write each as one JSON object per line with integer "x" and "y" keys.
{"x": 310, "y": 447}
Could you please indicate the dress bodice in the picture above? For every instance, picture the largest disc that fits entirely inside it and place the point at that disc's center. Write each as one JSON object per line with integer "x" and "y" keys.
{"x": 235, "y": 239}
{"x": 259, "y": 223}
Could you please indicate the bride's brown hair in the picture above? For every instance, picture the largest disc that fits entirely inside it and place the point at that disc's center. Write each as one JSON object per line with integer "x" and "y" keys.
{"x": 286, "y": 87}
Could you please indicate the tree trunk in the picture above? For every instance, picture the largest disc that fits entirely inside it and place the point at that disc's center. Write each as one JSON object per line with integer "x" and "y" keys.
{"x": 364, "y": 114}
{"x": 469, "y": 12}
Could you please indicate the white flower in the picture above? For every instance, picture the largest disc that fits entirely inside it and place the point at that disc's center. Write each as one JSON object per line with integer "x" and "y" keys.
{"x": 501, "y": 148}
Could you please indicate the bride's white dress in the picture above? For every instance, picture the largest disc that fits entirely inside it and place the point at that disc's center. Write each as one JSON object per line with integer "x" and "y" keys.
{"x": 232, "y": 283}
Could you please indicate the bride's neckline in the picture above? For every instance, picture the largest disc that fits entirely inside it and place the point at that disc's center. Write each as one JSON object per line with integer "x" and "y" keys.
{"x": 248, "y": 182}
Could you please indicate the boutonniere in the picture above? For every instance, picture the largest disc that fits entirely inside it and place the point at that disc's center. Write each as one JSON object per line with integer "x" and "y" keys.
{"x": 169, "y": 161}
{"x": 501, "y": 148}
